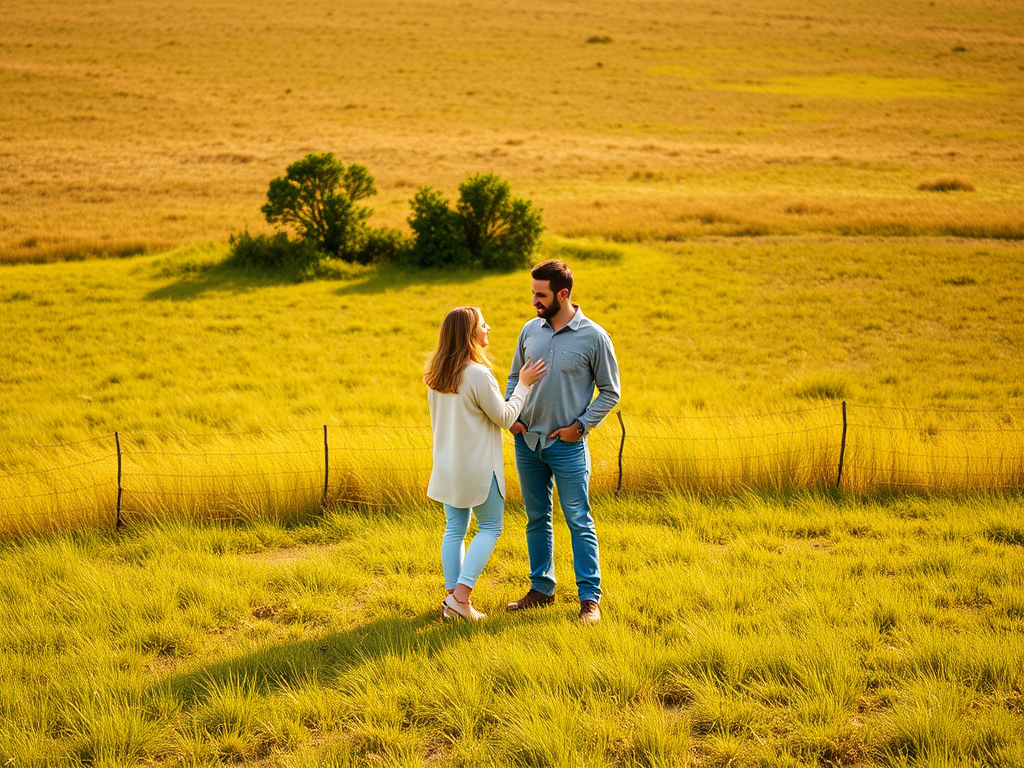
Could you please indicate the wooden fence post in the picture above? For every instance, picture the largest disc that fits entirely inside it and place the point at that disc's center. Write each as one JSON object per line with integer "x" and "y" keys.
{"x": 842, "y": 448}
{"x": 120, "y": 490}
{"x": 622, "y": 445}
{"x": 323, "y": 499}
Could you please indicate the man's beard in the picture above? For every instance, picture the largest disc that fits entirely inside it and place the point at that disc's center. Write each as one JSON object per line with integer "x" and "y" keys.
{"x": 551, "y": 310}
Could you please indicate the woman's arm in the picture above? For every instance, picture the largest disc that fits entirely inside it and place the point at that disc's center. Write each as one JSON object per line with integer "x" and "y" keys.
{"x": 487, "y": 396}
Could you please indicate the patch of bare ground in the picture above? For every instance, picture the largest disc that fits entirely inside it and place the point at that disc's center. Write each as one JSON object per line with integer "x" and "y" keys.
{"x": 286, "y": 555}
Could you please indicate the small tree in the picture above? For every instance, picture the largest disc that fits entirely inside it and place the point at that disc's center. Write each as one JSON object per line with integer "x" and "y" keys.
{"x": 501, "y": 231}
{"x": 438, "y": 239}
{"x": 317, "y": 196}
{"x": 489, "y": 227}
{"x": 274, "y": 252}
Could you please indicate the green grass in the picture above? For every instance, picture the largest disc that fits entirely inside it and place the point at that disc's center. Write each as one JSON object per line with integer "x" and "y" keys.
{"x": 179, "y": 343}
{"x": 793, "y": 629}
{"x": 734, "y": 356}
{"x": 770, "y": 208}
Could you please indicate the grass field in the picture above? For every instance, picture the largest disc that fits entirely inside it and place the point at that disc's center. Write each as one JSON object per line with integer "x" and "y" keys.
{"x": 787, "y": 630}
{"x": 734, "y": 356}
{"x": 179, "y": 343}
{"x": 146, "y": 125}
{"x": 751, "y": 199}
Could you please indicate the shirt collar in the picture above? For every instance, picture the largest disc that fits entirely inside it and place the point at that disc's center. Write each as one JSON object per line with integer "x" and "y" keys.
{"x": 574, "y": 324}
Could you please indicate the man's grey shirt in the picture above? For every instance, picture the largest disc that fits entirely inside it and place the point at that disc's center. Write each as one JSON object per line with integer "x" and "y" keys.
{"x": 580, "y": 356}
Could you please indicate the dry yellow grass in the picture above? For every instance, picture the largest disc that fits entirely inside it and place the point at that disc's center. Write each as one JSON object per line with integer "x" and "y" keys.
{"x": 280, "y": 475}
{"x": 131, "y": 126}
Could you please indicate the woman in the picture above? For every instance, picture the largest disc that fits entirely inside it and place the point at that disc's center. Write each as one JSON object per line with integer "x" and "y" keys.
{"x": 467, "y": 415}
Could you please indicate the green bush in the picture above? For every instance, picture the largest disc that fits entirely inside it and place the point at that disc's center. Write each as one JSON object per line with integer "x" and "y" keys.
{"x": 502, "y": 231}
{"x": 317, "y": 196}
{"x": 275, "y": 252}
{"x": 383, "y": 246}
{"x": 489, "y": 227}
{"x": 438, "y": 239}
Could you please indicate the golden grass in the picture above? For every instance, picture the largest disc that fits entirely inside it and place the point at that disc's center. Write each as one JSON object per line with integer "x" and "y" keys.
{"x": 776, "y": 629}
{"x": 280, "y": 476}
{"x": 734, "y": 358}
{"x": 147, "y": 125}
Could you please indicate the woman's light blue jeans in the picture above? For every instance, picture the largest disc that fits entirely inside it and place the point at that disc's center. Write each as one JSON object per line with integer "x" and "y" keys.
{"x": 462, "y": 565}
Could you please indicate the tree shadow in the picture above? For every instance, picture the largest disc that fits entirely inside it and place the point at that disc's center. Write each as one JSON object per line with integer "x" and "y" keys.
{"x": 227, "y": 278}
{"x": 222, "y": 278}
{"x": 328, "y": 659}
{"x": 393, "y": 277}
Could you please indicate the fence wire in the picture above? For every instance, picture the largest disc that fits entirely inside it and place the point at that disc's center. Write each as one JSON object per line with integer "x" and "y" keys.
{"x": 276, "y": 472}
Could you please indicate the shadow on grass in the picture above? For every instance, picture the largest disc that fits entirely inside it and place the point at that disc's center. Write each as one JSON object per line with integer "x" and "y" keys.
{"x": 225, "y": 277}
{"x": 390, "y": 277}
{"x": 328, "y": 659}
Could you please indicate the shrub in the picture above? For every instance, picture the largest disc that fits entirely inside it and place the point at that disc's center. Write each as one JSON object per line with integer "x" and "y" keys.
{"x": 271, "y": 251}
{"x": 317, "y": 196}
{"x": 501, "y": 231}
{"x": 382, "y": 246}
{"x": 946, "y": 184}
{"x": 438, "y": 239}
{"x": 489, "y": 227}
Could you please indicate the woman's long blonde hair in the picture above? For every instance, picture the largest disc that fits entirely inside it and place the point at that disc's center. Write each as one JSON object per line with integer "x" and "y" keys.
{"x": 456, "y": 348}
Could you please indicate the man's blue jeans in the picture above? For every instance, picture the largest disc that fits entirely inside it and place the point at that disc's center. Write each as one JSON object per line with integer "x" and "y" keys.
{"x": 566, "y": 465}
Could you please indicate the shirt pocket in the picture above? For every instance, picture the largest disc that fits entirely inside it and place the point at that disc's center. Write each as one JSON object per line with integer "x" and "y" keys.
{"x": 573, "y": 362}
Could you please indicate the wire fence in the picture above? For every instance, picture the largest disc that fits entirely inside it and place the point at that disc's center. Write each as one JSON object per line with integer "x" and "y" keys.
{"x": 130, "y": 476}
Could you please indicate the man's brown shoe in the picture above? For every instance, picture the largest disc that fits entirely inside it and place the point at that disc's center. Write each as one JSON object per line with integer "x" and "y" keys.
{"x": 532, "y": 599}
{"x": 590, "y": 613}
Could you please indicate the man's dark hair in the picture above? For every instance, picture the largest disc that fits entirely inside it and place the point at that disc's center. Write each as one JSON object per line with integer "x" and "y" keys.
{"x": 557, "y": 272}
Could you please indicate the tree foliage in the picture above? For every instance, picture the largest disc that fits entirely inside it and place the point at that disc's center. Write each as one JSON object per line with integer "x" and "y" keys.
{"x": 438, "y": 239}
{"x": 502, "y": 231}
{"x": 317, "y": 196}
{"x": 489, "y": 226}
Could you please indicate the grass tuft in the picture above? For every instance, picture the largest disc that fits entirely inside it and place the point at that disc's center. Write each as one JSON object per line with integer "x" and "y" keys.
{"x": 823, "y": 387}
{"x": 1005, "y": 532}
{"x": 946, "y": 184}
{"x": 584, "y": 249}
{"x": 117, "y": 736}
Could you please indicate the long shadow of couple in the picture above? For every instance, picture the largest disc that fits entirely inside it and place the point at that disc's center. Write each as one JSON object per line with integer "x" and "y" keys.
{"x": 329, "y": 658}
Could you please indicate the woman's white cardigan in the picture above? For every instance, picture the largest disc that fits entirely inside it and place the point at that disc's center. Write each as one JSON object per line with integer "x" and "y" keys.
{"x": 467, "y": 437}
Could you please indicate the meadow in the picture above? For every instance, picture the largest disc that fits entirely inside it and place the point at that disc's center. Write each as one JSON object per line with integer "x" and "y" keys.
{"x": 772, "y": 208}
{"x": 786, "y": 630}
{"x": 734, "y": 357}
{"x": 134, "y": 127}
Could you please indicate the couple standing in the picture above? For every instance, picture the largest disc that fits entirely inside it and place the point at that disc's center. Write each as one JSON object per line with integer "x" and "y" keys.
{"x": 549, "y": 406}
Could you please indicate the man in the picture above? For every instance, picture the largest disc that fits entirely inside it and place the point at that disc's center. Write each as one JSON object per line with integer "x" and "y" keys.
{"x": 550, "y": 436}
